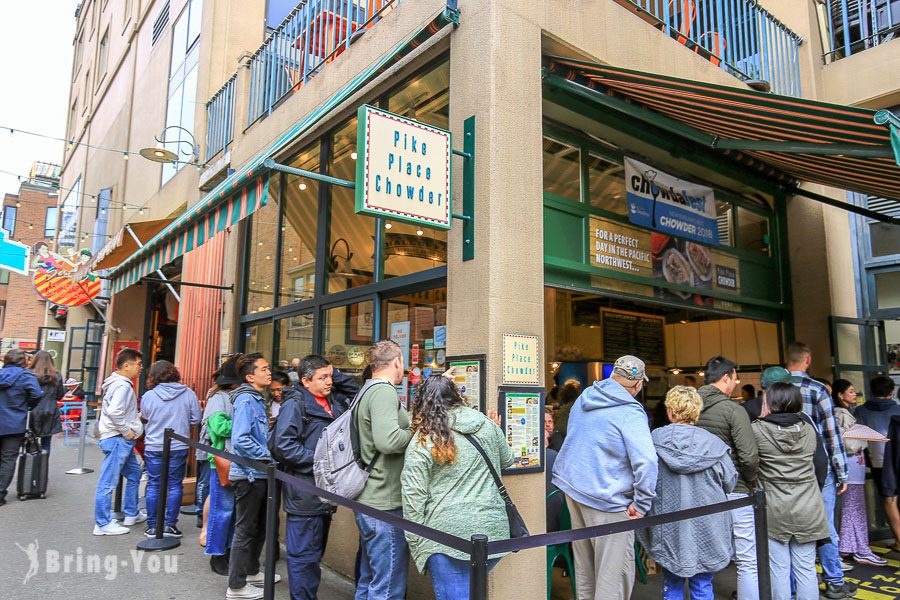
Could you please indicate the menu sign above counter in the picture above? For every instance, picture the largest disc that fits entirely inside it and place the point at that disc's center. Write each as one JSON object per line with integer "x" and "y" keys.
{"x": 633, "y": 333}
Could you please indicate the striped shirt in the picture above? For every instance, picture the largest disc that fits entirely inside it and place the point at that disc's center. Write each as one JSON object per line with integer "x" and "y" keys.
{"x": 819, "y": 406}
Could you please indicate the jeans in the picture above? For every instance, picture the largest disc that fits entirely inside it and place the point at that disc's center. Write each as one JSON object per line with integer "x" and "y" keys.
{"x": 450, "y": 576}
{"x": 700, "y": 585}
{"x": 249, "y": 530}
{"x": 9, "y": 453}
{"x": 828, "y": 553}
{"x": 154, "y": 463}
{"x": 220, "y": 520}
{"x": 744, "y": 533}
{"x": 202, "y": 484}
{"x": 796, "y": 557}
{"x": 306, "y": 541}
{"x": 118, "y": 460}
{"x": 384, "y": 559}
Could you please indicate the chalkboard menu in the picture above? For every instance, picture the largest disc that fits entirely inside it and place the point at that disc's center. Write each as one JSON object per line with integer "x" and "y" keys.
{"x": 633, "y": 333}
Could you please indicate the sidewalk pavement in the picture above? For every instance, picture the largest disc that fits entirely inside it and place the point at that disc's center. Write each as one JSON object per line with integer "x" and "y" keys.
{"x": 72, "y": 563}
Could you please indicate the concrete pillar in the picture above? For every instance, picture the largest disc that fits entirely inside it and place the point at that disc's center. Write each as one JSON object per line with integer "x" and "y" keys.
{"x": 495, "y": 76}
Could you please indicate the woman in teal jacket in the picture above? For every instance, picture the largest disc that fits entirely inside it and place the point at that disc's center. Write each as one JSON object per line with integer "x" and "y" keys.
{"x": 447, "y": 485}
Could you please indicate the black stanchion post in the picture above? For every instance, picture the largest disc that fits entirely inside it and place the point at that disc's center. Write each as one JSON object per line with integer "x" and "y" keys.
{"x": 271, "y": 532}
{"x": 762, "y": 545}
{"x": 117, "y": 500}
{"x": 478, "y": 576}
{"x": 160, "y": 542}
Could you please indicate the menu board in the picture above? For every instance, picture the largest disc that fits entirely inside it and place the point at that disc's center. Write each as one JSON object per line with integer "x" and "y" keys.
{"x": 469, "y": 377}
{"x": 633, "y": 333}
{"x": 522, "y": 420}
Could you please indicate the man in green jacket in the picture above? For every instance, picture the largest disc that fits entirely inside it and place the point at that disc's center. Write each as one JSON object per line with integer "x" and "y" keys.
{"x": 383, "y": 426}
{"x": 728, "y": 421}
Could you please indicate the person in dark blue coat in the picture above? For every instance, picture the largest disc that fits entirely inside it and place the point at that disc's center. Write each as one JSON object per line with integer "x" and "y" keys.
{"x": 325, "y": 395}
{"x": 19, "y": 393}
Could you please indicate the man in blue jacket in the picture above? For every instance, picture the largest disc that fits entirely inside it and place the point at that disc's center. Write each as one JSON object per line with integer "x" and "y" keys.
{"x": 325, "y": 394}
{"x": 607, "y": 468}
{"x": 248, "y": 440}
{"x": 19, "y": 393}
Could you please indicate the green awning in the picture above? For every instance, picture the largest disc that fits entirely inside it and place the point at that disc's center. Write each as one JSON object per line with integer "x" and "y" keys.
{"x": 785, "y": 138}
{"x": 246, "y": 190}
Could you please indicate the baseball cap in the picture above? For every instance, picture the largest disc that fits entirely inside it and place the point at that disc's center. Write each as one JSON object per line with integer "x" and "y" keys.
{"x": 776, "y": 375}
{"x": 71, "y": 381}
{"x": 631, "y": 368}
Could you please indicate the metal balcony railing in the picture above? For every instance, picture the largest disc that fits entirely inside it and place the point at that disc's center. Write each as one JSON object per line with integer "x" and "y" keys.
{"x": 220, "y": 119}
{"x": 852, "y": 26}
{"x": 311, "y": 36}
{"x": 740, "y": 36}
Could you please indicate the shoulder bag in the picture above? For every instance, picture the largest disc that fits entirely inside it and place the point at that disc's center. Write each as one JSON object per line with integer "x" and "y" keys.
{"x": 517, "y": 527}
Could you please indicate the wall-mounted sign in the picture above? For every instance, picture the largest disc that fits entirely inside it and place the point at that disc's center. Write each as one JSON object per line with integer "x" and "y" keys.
{"x": 470, "y": 378}
{"x": 520, "y": 359}
{"x": 633, "y": 333}
{"x": 55, "y": 277}
{"x": 403, "y": 171}
{"x": 13, "y": 255}
{"x": 522, "y": 420}
{"x": 671, "y": 261}
{"x": 665, "y": 203}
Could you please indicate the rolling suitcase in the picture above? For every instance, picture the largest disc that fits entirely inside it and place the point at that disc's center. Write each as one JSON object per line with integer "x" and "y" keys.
{"x": 33, "y": 467}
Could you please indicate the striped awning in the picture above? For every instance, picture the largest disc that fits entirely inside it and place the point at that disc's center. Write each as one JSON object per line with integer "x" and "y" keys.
{"x": 789, "y": 139}
{"x": 246, "y": 190}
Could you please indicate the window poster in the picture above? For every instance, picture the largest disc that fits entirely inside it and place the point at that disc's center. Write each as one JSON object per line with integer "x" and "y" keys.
{"x": 400, "y": 334}
{"x": 469, "y": 376}
{"x": 522, "y": 417}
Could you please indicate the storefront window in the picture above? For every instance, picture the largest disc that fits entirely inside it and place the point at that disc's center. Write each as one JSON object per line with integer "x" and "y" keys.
{"x": 295, "y": 338}
{"x": 562, "y": 169}
{"x": 347, "y": 334}
{"x": 258, "y": 338}
{"x": 351, "y": 237}
{"x": 410, "y": 249}
{"x": 754, "y": 231}
{"x": 298, "y": 246}
{"x": 885, "y": 238}
{"x": 887, "y": 290}
{"x": 260, "y": 272}
{"x": 607, "y": 185}
{"x": 417, "y": 322}
{"x": 425, "y": 98}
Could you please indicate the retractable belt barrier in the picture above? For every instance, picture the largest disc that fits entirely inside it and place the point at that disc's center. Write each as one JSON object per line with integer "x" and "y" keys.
{"x": 479, "y": 548}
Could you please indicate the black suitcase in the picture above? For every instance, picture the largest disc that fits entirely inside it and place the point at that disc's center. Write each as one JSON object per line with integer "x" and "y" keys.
{"x": 33, "y": 469}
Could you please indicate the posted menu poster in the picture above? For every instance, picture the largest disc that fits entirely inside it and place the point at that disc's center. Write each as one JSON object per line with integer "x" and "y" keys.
{"x": 520, "y": 359}
{"x": 523, "y": 424}
{"x": 469, "y": 377}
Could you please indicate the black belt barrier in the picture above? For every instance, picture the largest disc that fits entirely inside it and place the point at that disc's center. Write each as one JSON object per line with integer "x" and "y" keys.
{"x": 479, "y": 548}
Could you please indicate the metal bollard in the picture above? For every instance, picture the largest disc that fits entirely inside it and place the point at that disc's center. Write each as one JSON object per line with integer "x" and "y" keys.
{"x": 762, "y": 545}
{"x": 117, "y": 500}
{"x": 160, "y": 542}
{"x": 478, "y": 575}
{"x": 271, "y": 531}
{"x": 82, "y": 434}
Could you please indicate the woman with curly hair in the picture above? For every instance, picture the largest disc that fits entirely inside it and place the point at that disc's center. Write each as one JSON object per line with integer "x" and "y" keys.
{"x": 168, "y": 404}
{"x": 446, "y": 483}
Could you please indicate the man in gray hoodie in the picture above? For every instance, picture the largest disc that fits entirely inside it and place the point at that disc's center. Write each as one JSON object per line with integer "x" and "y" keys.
{"x": 118, "y": 427}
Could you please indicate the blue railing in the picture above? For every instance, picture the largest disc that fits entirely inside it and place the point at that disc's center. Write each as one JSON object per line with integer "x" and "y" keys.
{"x": 220, "y": 119}
{"x": 312, "y": 35}
{"x": 740, "y": 36}
{"x": 857, "y": 25}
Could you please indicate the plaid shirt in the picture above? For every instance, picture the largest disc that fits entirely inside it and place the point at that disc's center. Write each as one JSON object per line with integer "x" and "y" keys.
{"x": 819, "y": 406}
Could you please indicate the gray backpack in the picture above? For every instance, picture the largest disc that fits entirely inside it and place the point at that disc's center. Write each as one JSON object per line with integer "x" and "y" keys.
{"x": 337, "y": 464}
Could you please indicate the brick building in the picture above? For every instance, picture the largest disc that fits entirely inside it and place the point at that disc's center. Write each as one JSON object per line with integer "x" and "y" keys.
{"x": 28, "y": 217}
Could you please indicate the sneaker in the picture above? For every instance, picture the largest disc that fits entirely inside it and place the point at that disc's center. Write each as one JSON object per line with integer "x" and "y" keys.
{"x": 171, "y": 531}
{"x": 839, "y": 591}
{"x": 111, "y": 528}
{"x": 150, "y": 532}
{"x": 248, "y": 592}
{"x": 870, "y": 558}
{"x": 259, "y": 578}
{"x": 846, "y": 565}
{"x": 138, "y": 518}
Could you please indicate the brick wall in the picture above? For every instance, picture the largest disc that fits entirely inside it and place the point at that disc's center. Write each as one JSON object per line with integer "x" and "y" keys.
{"x": 24, "y": 310}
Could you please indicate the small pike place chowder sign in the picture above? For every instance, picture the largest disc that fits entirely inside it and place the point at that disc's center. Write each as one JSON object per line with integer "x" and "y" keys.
{"x": 404, "y": 171}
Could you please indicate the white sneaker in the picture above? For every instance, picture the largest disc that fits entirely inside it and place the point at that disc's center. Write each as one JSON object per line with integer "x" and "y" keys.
{"x": 138, "y": 518}
{"x": 248, "y": 592}
{"x": 111, "y": 528}
{"x": 260, "y": 578}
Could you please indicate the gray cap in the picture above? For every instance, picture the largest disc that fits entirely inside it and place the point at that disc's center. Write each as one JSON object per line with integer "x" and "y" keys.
{"x": 631, "y": 368}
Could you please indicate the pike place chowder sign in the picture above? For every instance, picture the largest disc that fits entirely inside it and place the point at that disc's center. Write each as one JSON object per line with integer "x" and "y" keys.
{"x": 404, "y": 174}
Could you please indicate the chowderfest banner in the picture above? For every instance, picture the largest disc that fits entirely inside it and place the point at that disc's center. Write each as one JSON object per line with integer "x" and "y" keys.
{"x": 55, "y": 278}
{"x": 665, "y": 203}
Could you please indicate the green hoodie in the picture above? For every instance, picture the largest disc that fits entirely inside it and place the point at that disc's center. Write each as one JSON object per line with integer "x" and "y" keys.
{"x": 459, "y": 498}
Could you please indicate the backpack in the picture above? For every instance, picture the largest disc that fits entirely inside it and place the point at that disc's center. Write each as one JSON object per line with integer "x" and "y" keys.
{"x": 337, "y": 465}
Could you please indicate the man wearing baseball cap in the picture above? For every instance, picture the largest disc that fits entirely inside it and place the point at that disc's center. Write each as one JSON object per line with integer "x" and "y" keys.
{"x": 607, "y": 468}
